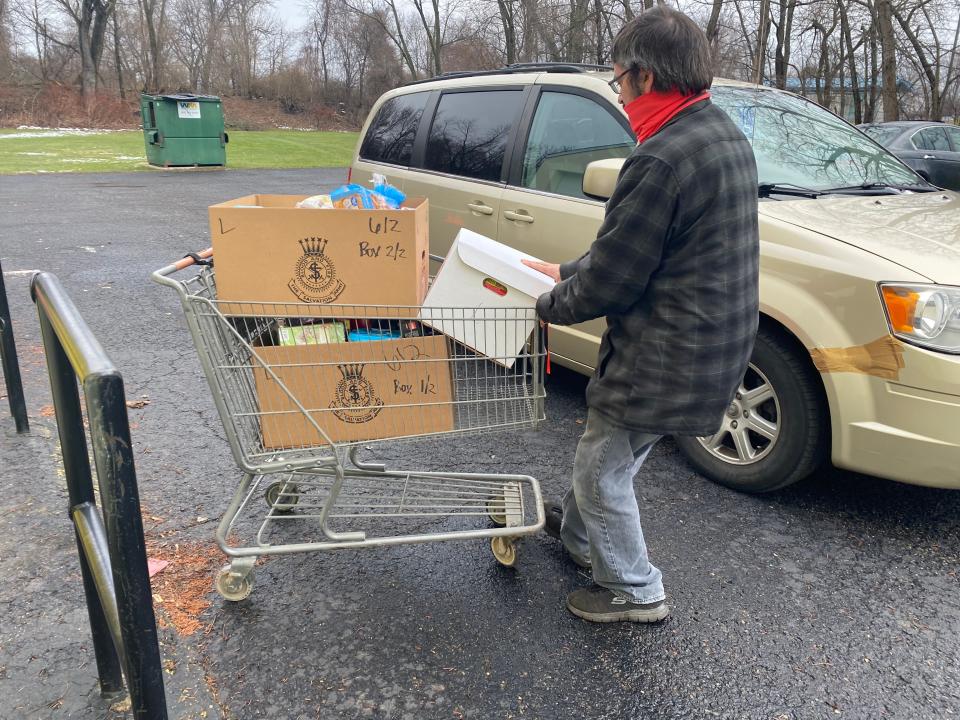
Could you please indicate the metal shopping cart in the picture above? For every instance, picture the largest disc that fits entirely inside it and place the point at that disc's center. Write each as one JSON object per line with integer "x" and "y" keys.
{"x": 297, "y": 404}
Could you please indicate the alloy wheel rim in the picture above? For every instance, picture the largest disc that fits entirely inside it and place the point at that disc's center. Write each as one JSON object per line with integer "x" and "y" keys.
{"x": 751, "y": 424}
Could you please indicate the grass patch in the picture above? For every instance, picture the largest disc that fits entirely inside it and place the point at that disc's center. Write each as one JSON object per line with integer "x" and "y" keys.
{"x": 32, "y": 151}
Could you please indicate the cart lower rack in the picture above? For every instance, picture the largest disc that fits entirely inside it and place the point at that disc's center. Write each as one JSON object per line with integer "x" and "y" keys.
{"x": 301, "y": 388}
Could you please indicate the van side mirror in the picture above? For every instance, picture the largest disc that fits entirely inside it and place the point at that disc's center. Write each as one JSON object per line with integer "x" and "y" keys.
{"x": 600, "y": 178}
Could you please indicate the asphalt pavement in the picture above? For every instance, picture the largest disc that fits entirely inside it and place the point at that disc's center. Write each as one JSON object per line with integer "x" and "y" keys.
{"x": 838, "y": 597}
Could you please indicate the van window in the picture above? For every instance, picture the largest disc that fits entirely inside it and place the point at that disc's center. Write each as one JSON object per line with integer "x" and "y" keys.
{"x": 390, "y": 136}
{"x": 470, "y": 133}
{"x": 568, "y": 133}
{"x": 797, "y": 142}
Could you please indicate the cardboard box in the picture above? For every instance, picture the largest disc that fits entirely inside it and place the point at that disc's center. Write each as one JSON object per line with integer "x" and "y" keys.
{"x": 266, "y": 249}
{"x": 473, "y": 295}
{"x": 355, "y": 391}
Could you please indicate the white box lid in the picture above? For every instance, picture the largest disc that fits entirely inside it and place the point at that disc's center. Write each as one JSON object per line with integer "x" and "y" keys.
{"x": 501, "y": 263}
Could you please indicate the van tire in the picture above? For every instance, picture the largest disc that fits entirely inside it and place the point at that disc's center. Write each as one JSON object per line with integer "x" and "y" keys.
{"x": 801, "y": 417}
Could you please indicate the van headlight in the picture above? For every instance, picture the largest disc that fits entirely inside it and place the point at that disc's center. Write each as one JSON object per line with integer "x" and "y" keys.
{"x": 925, "y": 315}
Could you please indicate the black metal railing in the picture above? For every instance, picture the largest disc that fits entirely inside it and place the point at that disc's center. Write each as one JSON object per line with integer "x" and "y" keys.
{"x": 113, "y": 558}
{"x": 11, "y": 367}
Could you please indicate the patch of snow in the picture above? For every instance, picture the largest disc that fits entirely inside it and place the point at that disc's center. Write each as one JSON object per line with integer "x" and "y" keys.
{"x": 37, "y": 132}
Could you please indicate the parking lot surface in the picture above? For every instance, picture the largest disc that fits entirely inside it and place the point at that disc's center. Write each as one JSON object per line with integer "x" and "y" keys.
{"x": 837, "y": 597}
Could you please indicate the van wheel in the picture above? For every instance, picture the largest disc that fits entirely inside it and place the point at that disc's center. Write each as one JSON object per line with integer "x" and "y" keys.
{"x": 777, "y": 429}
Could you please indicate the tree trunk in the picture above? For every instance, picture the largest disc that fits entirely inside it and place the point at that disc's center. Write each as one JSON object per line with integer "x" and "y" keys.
{"x": 575, "y": 35}
{"x": 88, "y": 71}
{"x": 437, "y": 39}
{"x": 5, "y": 39}
{"x": 950, "y": 79}
{"x": 762, "y": 35}
{"x": 851, "y": 63}
{"x": 508, "y": 19}
{"x": 153, "y": 22}
{"x": 871, "y": 113}
{"x": 713, "y": 24}
{"x": 888, "y": 52}
{"x": 216, "y": 14}
{"x": 116, "y": 55}
{"x": 781, "y": 63}
{"x": 98, "y": 33}
{"x": 529, "y": 26}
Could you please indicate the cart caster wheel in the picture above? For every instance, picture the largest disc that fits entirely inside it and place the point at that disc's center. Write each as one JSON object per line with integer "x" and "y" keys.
{"x": 290, "y": 498}
{"x": 496, "y": 511}
{"x": 504, "y": 550}
{"x": 232, "y": 586}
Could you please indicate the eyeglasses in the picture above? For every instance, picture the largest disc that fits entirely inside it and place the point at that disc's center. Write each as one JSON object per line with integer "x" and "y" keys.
{"x": 615, "y": 83}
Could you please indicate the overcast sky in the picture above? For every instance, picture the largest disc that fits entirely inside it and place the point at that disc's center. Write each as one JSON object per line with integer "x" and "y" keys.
{"x": 292, "y": 12}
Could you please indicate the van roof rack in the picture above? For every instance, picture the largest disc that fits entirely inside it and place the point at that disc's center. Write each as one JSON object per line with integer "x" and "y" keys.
{"x": 514, "y": 68}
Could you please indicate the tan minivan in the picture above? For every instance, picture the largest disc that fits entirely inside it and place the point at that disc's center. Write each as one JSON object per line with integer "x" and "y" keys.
{"x": 858, "y": 354}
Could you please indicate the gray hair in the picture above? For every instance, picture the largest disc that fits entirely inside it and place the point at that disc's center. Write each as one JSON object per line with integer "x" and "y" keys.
{"x": 668, "y": 44}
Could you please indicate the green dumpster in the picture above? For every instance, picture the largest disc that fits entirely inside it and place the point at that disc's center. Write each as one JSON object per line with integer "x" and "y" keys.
{"x": 183, "y": 129}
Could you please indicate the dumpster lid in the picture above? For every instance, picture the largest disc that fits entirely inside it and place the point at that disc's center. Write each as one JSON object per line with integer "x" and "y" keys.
{"x": 184, "y": 96}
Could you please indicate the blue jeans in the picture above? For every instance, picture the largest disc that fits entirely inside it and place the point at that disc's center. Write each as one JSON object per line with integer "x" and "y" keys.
{"x": 601, "y": 520}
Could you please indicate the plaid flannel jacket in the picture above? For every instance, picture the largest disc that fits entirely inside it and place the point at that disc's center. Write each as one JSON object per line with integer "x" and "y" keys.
{"x": 675, "y": 271}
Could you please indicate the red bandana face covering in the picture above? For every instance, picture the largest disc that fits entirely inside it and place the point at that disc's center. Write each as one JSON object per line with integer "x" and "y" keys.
{"x": 651, "y": 111}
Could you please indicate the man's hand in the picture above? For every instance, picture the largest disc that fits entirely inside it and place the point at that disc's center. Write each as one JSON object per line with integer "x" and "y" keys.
{"x": 549, "y": 269}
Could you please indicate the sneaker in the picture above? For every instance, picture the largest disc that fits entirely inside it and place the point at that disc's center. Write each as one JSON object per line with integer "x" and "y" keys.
{"x": 553, "y": 511}
{"x": 598, "y": 604}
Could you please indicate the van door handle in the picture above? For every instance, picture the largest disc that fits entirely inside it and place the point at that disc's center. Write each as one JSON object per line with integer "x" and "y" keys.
{"x": 480, "y": 208}
{"x": 518, "y": 217}
{"x": 929, "y": 157}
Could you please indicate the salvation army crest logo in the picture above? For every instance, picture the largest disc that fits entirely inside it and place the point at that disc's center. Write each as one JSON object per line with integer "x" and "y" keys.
{"x": 315, "y": 276}
{"x": 357, "y": 400}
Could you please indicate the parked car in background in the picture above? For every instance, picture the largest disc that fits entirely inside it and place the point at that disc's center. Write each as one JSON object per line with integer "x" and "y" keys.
{"x": 930, "y": 148}
{"x": 858, "y": 353}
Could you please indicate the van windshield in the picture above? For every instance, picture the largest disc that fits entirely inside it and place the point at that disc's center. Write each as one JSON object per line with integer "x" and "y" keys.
{"x": 798, "y": 143}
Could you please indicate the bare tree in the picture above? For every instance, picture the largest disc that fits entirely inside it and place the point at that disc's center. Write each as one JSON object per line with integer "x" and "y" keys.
{"x": 918, "y": 24}
{"x": 387, "y": 17}
{"x": 117, "y": 60}
{"x": 5, "y": 37}
{"x": 429, "y": 15}
{"x": 91, "y": 18}
{"x": 784, "y": 35}
{"x": 888, "y": 68}
{"x": 154, "y": 14}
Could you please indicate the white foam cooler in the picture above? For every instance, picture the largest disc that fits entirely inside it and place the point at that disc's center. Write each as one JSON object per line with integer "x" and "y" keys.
{"x": 482, "y": 279}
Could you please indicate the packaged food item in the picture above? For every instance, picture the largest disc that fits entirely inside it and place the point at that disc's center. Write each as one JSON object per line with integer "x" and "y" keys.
{"x": 315, "y": 334}
{"x": 352, "y": 197}
{"x": 412, "y": 328}
{"x": 373, "y": 334}
{"x": 393, "y": 195}
{"x": 316, "y": 202}
{"x": 383, "y": 196}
